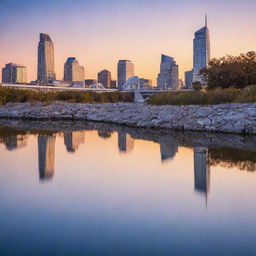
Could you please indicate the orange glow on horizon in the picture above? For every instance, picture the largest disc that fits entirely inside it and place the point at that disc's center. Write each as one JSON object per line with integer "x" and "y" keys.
{"x": 140, "y": 34}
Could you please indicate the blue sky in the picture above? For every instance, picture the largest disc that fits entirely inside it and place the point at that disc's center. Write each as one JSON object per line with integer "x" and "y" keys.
{"x": 100, "y": 32}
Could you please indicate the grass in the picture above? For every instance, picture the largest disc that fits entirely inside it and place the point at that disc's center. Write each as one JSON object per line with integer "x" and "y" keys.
{"x": 18, "y": 95}
{"x": 209, "y": 97}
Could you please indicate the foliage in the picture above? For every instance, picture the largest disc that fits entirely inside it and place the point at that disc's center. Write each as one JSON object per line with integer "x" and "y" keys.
{"x": 231, "y": 71}
{"x": 209, "y": 97}
{"x": 18, "y": 95}
{"x": 197, "y": 85}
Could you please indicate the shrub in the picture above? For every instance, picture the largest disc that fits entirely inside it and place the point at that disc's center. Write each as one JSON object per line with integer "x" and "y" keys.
{"x": 210, "y": 97}
{"x": 20, "y": 95}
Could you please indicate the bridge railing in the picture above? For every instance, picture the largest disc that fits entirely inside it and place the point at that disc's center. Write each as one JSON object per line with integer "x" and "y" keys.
{"x": 55, "y": 88}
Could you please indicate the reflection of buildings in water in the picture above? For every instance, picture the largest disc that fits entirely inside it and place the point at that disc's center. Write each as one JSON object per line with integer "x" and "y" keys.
{"x": 104, "y": 134}
{"x": 72, "y": 140}
{"x": 201, "y": 170}
{"x": 15, "y": 141}
{"x": 46, "y": 154}
{"x": 125, "y": 142}
{"x": 168, "y": 150}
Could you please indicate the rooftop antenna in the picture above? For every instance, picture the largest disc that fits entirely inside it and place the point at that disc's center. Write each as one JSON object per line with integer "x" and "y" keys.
{"x": 206, "y": 19}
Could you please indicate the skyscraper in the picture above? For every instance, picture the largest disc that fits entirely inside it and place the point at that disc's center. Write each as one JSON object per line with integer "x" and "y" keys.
{"x": 201, "y": 55}
{"x": 73, "y": 72}
{"x": 45, "y": 62}
{"x": 13, "y": 73}
{"x": 168, "y": 78}
{"x": 104, "y": 77}
{"x": 125, "y": 70}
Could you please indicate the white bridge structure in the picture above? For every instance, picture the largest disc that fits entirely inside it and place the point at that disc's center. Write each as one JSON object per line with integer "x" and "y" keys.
{"x": 134, "y": 88}
{"x": 57, "y": 88}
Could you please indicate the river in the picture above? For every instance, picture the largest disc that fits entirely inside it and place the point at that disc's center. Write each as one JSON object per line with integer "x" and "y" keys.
{"x": 69, "y": 188}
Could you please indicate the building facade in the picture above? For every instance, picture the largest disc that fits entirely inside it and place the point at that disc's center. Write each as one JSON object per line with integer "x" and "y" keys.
{"x": 145, "y": 83}
{"x": 14, "y": 74}
{"x": 73, "y": 72}
{"x": 168, "y": 78}
{"x": 113, "y": 84}
{"x": 189, "y": 78}
{"x": 45, "y": 62}
{"x": 201, "y": 52}
{"x": 125, "y": 70}
{"x": 88, "y": 82}
{"x": 104, "y": 77}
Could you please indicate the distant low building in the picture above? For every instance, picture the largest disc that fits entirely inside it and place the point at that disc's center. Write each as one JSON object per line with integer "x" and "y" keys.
{"x": 59, "y": 83}
{"x": 168, "y": 78}
{"x": 189, "y": 78}
{"x": 181, "y": 84}
{"x": 104, "y": 77}
{"x": 78, "y": 84}
{"x": 88, "y": 82}
{"x": 14, "y": 74}
{"x": 113, "y": 84}
{"x": 97, "y": 86}
{"x": 145, "y": 83}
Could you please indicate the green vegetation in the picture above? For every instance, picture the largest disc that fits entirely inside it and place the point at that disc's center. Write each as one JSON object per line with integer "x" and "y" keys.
{"x": 18, "y": 95}
{"x": 209, "y": 97}
{"x": 230, "y": 71}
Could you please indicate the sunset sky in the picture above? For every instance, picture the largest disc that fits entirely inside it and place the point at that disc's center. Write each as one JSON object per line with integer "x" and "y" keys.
{"x": 100, "y": 32}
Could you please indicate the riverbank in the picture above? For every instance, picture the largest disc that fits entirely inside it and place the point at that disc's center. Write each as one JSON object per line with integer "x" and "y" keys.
{"x": 230, "y": 118}
{"x": 192, "y": 139}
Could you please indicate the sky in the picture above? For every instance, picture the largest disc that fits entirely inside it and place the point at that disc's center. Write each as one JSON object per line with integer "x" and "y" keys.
{"x": 100, "y": 32}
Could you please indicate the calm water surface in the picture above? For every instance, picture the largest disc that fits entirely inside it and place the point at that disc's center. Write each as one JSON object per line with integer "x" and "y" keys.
{"x": 105, "y": 191}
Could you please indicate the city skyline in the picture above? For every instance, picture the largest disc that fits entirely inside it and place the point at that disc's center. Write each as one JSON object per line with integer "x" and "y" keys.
{"x": 170, "y": 32}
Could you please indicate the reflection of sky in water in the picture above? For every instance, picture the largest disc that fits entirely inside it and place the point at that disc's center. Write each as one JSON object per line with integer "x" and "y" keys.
{"x": 106, "y": 193}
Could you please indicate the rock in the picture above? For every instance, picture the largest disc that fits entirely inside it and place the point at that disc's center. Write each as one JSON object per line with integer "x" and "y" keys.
{"x": 236, "y": 118}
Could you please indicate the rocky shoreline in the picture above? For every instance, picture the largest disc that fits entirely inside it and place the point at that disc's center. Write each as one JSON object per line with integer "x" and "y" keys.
{"x": 230, "y": 118}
